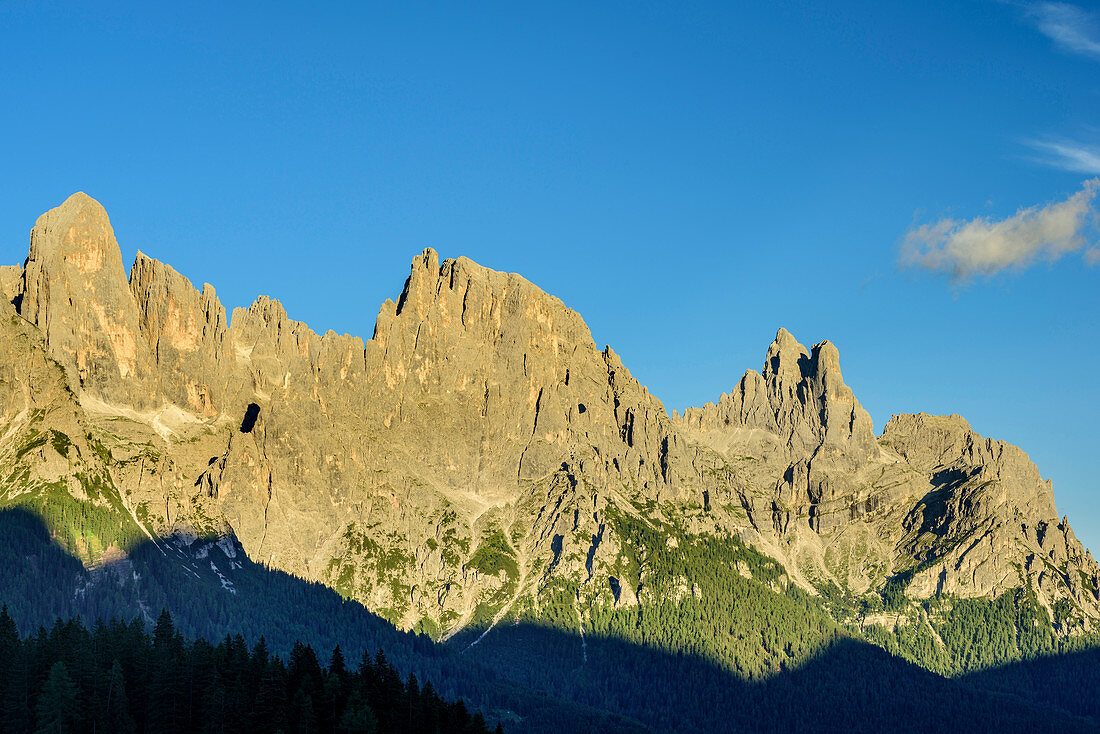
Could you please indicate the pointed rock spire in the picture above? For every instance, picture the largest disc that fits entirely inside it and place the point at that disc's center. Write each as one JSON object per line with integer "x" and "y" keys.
{"x": 74, "y": 290}
{"x": 422, "y": 280}
{"x": 787, "y": 359}
{"x": 800, "y": 397}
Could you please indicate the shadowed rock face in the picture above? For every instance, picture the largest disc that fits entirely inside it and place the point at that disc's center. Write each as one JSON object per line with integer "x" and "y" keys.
{"x": 481, "y": 421}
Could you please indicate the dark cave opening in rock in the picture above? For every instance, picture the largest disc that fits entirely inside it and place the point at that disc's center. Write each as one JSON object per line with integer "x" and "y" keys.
{"x": 250, "y": 416}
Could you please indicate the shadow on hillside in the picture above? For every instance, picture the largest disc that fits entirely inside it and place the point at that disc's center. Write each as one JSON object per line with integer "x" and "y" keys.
{"x": 538, "y": 679}
{"x": 42, "y": 582}
{"x": 853, "y": 686}
{"x": 1068, "y": 682}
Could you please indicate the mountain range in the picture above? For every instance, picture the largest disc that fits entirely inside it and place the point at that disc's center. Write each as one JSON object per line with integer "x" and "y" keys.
{"x": 480, "y": 474}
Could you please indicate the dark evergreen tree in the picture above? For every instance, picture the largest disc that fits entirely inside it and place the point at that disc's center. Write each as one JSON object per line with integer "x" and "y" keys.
{"x": 302, "y": 716}
{"x": 116, "y": 715}
{"x": 58, "y": 709}
{"x": 357, "y": 717}
{"x": 14, "y": 677}
{"x": 270, "y": 710}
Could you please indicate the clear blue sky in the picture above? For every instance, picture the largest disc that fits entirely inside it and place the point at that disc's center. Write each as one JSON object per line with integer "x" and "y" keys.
{"x": 688, "y": 176}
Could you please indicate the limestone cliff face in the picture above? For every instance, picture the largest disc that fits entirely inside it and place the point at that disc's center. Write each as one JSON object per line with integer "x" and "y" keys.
{"x": 930, "y": 501}
{"x": 800, "y": 420}
{"x": 478, "y": 447}
{"x": 476, "y": 395}
{"x": 946, "y": 446}
{"x": 518, "y": 376}
{"x": 34, "y": 399}
{"x": 186, "y": 331}
{"x": 47, "y": 448}
{"x": 799, "y": 398}
{"x": 74, "y": 290}
{"x": 988, "y": 520}
{"x": 11, "y": 283}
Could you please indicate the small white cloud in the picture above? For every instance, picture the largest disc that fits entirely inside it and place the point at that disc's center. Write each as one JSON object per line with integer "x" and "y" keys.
{"x": 985, "y": 247}
{"x": 1069, "y": 26}
{"x": 1069, "y": 155}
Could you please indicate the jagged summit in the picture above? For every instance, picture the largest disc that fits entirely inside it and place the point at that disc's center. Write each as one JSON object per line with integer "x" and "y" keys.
{"x": 74, "y": 290}
{"x": 787, "y": 359}
{"x": 475, "y": 386}
{"x": 956, "y": 512}
{"x": 76, "y": 202}
{"x": 799, "y": 398}
{"x": 481, "y": 418}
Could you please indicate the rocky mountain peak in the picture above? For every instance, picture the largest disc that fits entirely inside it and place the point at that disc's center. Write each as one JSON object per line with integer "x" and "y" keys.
{"x": 946, "y": 446}
{"x": 789, "y": 364}
{"x": 799, "y": 398}
{"x": 787, "y": 360}
{"x": 270, "y": 310}
{"x": 826, "y": 357}
{"x": 420, "y": 286}
{"x": 74, "y": 289}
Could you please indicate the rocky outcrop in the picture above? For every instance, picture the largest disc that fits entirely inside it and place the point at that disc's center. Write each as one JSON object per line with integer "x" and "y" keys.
{"x": 988, "y": 521}
{"x": 518, "y": 373}
{"x": 804, "y": 423}
{"x": 946, "y": 448}
{"x": 11, "y": 284}
{"x": 44, "y": 439}
{"x": 799, "y": 398}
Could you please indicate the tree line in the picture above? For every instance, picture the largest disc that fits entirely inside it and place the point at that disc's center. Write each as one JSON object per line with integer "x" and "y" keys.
{"x": 117, "y": 677}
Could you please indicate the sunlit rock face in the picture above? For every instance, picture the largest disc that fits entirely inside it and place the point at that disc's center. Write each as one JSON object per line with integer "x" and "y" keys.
{"x": 929, "y": 501}
{"x": 478, "y": 446}
{"x": 74, "y": 290}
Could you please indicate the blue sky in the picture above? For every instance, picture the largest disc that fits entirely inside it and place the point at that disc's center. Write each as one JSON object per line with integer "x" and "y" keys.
{"x": 688, "y": 176}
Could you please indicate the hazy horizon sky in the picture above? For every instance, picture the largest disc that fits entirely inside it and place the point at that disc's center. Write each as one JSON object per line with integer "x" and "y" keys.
{"x": 914, "y": 182}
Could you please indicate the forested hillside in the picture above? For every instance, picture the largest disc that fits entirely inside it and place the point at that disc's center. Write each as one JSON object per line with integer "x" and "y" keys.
{"x": 727, "y": 644}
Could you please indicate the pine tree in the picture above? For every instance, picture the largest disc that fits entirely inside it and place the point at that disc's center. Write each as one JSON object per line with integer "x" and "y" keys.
{"x": 58, "y": 705}
{"x": 165, "y": 631}
{"x": 358, "y": 718}
{"x": 269, "y": 711}
{"x": 214, "y": 707}
{"x": 166, "y": 682}
{"x": 259, "y": 659}
{"x": 117, "y": 716}
{"x": 14, "y": 677}
{"x": 303, "y": 718}
{"x": 336, "y": 665}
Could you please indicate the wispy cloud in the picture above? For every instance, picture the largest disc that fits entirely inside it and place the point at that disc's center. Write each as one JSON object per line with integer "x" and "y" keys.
{"x": 963, "y": 249}
{"x": 1069, "y": 155}
{"x": 1069, "y": 26}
